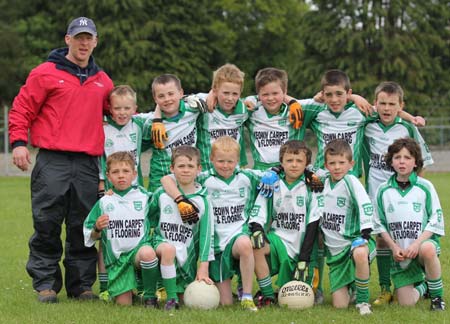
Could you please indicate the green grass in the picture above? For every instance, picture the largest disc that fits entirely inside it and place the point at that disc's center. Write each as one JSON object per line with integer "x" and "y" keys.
{"x": 18, "y": 302}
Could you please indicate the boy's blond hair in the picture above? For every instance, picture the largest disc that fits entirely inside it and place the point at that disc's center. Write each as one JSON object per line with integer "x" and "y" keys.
{"x": 164, "y": 79}
{"x": 185, "y": 150}
{"x": 295, "y": 147}
{"x": 228, "y": 73}
{"x": 270, "y": 74}
{"x": 123, "y": 156}
{"x": 391, "y": 88}
{"x": 123, "y": 91}
{"x": 335, "y": 78}
{"x": 226, "y": 144}
{"x": 338, "y": 147}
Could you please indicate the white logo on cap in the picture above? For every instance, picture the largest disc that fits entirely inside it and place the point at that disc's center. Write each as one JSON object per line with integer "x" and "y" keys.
{"x": 83, "y": 22}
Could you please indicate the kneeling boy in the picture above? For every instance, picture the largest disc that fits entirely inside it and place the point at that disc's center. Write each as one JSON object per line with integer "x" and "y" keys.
{"x": 291, "y": 217}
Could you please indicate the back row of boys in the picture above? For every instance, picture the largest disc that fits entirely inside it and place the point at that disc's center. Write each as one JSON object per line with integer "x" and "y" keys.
{"x": 269, "y": 128}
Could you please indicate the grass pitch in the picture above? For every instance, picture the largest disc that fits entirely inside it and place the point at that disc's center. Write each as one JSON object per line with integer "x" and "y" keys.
{"x": 18, "y": 303}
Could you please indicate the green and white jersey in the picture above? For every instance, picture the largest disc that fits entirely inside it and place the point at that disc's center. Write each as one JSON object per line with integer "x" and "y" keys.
{"x": 213, "y": 125}
{"x": 288, "y": 212}
{"x": 193, "y": 242}
{"x": 181, "y": 130}
{"x": 378, "y": 137}
{"x": 327, "y": 126}
{"x": 123, "y": 138}
{"x": 405, "y": 214}
{"x": 128, "y": 222}
{"x": 267, "y": 133}
{"x": 231, "y": 202}
{"x": 347, "y": 211}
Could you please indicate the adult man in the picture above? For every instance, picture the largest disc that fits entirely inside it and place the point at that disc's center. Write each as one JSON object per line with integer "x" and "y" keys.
{"x": 62, "y": 105}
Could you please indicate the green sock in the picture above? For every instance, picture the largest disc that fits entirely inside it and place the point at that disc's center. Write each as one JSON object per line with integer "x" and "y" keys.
{"x": 384, "y": 268}
{"x": 362, "y": 290}
{"x": 421, "y": 288}
{"x": 171, "y": 287}
{"x": 169, "y": 279}
{"x": 320, "y": 266}
{"x": 265, "y": 285}
{"x": 150, "y": 275}
{"x": 103, "y": 279}
{"x": 435, "y": 287}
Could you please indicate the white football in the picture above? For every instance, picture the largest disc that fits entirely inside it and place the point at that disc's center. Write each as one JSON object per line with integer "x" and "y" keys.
{"x": 296, "y": 294}
{"x": 198, "y": 294}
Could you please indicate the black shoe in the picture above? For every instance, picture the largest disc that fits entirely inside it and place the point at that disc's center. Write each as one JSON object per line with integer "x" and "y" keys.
{"x": 437, "y": 304}
{"x": 264, "y": 301}
{"x": 171, "y": 304}
{"x": 86, "y": 295}
{"x": 151, "y": 303}
{"x": 47, "y": 296}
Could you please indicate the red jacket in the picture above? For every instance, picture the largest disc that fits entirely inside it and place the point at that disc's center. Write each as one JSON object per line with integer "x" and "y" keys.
{"x": 62, "y": 113}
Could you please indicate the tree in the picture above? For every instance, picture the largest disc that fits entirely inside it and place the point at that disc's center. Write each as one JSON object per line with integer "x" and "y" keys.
{"x": 403, "y": 41}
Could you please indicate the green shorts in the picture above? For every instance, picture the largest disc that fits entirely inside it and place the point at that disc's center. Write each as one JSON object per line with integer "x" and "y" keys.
{"x": 282, "y": 264}
{"x": 413, "y": 274}
{"x": 224, "y": 266}
{"x": 122, "y": 274}
{"x": 342, "y": 268}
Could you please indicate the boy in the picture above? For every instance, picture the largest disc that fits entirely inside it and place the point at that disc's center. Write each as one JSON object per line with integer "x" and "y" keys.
{"x": 346, "y": 225}
{"x": 231, "y": 193}
{"x": 268, "y": 123}
{"x": 378, "y": 135}
{"x": 178, "y": 119}
{"x": 291, "y": 219}
{"x": 123, "y": 132}
{"x": 229, "y": 115}
{"x": 411, "y": 222}
{"x": 191, "y": 237}
{"x": 120, "y": 220}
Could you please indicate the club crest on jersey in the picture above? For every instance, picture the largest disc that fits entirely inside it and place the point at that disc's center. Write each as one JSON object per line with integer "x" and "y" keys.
{"x": 191, "y": 122}
{"x": 215, "y": 194}
{"x": 390, "y": 208}
{"x": 216, "y": 120}
{"x": 278, "y": 202}
{"x": 368, "y": 209}
{"x": 439, "y": 215}
{"x": 417, "y": 206}
{"x": 239, "y": 121}
{"x": 300, "y": 201}
{"x": 255, "y": 211}
{"x": 320, "y": 201}
{"x": 168, "y": 210}
{"x": 109, "y": 207}
{"x": 109, "y": 142}
{"x": 242, "y": 192}
{"x": 282, "y": 122}
{"x": 340, "y": 201}
{"x": 351, "y": 123}
{"x": 133, "y": 137}
{"x": 137, "y": 205}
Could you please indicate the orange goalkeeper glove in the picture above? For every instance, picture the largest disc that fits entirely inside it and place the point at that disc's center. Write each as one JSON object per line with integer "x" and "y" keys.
{"x": 295, "y": 114}
{"x": 158, "y": 133}
{"x": 188, "y": 211}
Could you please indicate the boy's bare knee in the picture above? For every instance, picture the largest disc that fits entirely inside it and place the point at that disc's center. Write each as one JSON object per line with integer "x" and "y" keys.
{"x": 146, "y": 253}
{"x": 360, "y": 254}
{"x": 427, "y": 251}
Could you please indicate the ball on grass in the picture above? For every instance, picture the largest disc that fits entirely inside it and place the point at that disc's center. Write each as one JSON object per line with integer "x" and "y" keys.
{"x": 200, "y": 295}
{"x": 296, "y": 294}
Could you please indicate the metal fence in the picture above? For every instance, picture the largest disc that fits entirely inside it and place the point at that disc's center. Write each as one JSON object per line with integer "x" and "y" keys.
{"x": 436, "y": 134}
